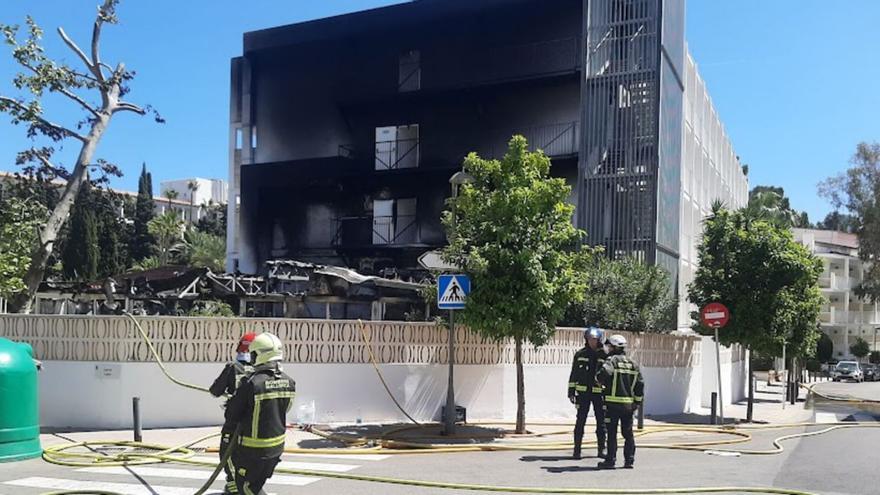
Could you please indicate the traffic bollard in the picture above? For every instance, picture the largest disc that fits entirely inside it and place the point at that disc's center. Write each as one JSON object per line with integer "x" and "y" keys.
{"x": 136, "y": 418}
{"x": 713, "y": 418}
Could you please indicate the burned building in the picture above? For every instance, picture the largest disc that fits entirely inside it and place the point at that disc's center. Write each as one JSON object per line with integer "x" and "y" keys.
{"x": 344, "y": 131}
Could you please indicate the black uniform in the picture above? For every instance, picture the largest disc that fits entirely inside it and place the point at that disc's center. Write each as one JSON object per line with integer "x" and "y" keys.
{"x": 624, "y": 389}
{"x": 228, "y": 381}
{"x": 585, "y": 390}
{"x": 259, "y": 409}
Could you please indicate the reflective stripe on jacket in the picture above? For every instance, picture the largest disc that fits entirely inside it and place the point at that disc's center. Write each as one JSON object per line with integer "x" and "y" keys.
{"x": 260, "y": 407}
{"x": 622, "y": 380}
{"x": 583, "y": 371}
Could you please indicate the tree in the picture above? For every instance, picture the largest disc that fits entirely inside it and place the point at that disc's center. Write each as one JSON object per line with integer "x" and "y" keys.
{"x": 840, "y": 222}
{"x": 874, "y": 357}
{"x": 860, "y": 348}
{"x": 112, "y": 234}
{"x": 767, "y": 281}
{"x": 193, "y": 186}
{"x": 40, "y": 75}
{"x": 512, "y": 233}
{"x": 214, "y": 219}
{"x": 144, "y": 212}
{"x": 203, "y": 250}
{"x": 167, "y": 229}
{"x": 80, "y": 257}
{"x": 855, "y": 190}
{"x": 770, "y": 203}
{"x": 824, "y": 348}
{"x": 20, "y": 222}
{"x": 626, "y": 294}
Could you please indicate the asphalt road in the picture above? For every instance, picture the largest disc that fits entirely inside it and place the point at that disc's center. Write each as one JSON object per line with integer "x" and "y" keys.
{"x": 840, "y": 462}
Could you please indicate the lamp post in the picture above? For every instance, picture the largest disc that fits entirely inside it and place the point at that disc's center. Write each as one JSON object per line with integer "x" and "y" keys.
{"x": 457, "y": 180}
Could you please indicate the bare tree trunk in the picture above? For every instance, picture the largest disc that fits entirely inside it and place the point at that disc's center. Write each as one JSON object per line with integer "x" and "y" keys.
{"x": 23, "y": 302}
{"x": 520, "y": 390}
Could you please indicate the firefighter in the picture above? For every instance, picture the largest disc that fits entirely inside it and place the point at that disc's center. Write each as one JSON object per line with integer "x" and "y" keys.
{"x": 584, "y": 390}
{"x": 259, "y": 409}
{"x": 226, "y": 383}
{"x": 623, "y": 386}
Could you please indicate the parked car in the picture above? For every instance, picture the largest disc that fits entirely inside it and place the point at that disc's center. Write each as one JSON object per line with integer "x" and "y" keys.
{"x": 871, "y": 372}
{"x": 847, "y": 370}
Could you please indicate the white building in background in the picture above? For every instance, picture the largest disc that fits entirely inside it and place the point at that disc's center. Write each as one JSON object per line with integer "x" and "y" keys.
{"x": 844, "y": 316}
{"x": 710, "y": 171}
{"x": 196, "y": 192}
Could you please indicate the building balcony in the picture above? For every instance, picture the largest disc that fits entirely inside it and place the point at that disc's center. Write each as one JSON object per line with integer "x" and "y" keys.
{"x": 365, "y": 231}
{"x": 834, "y": 282}
{"x": 448, "y": 150}
{"x": 828, "y": 317}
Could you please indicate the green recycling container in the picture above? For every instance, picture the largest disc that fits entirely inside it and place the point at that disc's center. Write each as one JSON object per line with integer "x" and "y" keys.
{"x": 19, "y": 403}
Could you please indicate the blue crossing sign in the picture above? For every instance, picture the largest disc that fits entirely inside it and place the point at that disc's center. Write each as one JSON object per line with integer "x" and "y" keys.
{"x": 452, "y": 291}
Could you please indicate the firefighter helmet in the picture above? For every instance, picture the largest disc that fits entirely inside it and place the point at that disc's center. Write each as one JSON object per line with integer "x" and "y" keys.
{"x": 266, "y": 348}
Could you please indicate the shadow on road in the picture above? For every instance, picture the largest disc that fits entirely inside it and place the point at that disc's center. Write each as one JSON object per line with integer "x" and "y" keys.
{"x": 545, "y": 458}
{"x": 569, "y": 469}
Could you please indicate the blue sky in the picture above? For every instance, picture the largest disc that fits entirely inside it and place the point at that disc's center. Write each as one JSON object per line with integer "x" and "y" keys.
{"x": 793, "y": 80}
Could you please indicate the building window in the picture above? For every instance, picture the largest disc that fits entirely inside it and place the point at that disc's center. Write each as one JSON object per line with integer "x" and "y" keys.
{"x": 253, "y": 137}
{"x": 395, "y": 221}
{"x": 409, "y": 77}
{"x": 397, "y": 147}
{"x": 239, "y": 138}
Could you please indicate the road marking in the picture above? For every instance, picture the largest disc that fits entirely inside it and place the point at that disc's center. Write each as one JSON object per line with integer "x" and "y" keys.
{"x": 75, "y": 485}
{"x": 823, "y": 417}
{"x": 192, "y": 474}
{"x": 306, "y": 466}
{"x": 353, "y": 457}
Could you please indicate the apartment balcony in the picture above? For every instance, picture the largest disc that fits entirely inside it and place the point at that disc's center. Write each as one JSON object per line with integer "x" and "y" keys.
{"x": 829, "y": 317}
{"x": 445, "y": 149}
{"x": 834, "y": 282}
{"x": 369, "y": 231}
{"x": 864, "y": 318}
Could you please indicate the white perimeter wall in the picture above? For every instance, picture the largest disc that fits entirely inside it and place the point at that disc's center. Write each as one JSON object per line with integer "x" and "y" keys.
{"x": 98, "y": 395}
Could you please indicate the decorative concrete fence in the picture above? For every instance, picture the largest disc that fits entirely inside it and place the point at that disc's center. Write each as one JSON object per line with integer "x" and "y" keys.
{"x": 95, "y": 364}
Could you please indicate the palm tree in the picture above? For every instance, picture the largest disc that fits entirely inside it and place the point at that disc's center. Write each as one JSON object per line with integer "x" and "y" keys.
{"x": 193, "y": 186}
{"x": 205, "y": 250}
{"x": 167, "y": 229}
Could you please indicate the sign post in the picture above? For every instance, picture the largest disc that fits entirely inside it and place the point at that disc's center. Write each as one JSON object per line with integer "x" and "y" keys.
{"x": 716, "y": 315}
{"x": 452, "y": 290}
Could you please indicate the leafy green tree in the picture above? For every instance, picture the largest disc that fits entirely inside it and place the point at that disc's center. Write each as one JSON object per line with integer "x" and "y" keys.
{"x": 96, "y": 80}
{"x": 512, "y": 233}
{"x": 203, "y": 250}
{"x": 855, "y": 191}
{"x": 626, "y": 294}
{"x": 112, "y": 234}
{"x": 80, "y": 257}
{"x": 148, "y": 263}
{"x": 210, "y": 309}
{"x": 167, "y": 229}
{"x": 20, "y": 222}
{"x": 770, "y": 203}
{"x": 824, "y": 348}
{"x": 860, "y": 348}
{"x": 144, "y": 212}
{"x": 840, "y": 222}
{"x": 766, "y": 279}
{"x": 214, "y": 220}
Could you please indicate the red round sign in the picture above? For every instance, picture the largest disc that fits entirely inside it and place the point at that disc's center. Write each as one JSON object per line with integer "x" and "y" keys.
{"x": 715, "y": 315}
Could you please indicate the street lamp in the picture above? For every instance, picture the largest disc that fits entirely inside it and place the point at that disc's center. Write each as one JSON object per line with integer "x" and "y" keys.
{"x": 457, "y": 180}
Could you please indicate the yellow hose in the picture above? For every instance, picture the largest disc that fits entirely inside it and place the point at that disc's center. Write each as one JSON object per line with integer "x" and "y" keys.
{"x": 183, "y": 454}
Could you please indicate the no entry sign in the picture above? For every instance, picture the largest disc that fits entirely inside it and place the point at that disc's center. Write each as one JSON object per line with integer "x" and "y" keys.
{"x": 715, "y": 315}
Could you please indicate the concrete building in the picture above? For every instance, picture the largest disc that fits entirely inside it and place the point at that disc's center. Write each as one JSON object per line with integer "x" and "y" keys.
{"x": 197, "y": 193}
{"x": 344, "y": 131}
{"x": 845, "y": 316}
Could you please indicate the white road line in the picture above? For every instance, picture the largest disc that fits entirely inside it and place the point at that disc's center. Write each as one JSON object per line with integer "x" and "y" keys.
{"x": 823, "y": 417}
{"x": 353, "y": 457}
{"x": 192, "y": 474}
{"x": 310, "y": 466}
{"x": 123, "y": 488}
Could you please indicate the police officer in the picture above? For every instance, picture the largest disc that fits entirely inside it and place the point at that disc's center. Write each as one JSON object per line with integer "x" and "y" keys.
{"x": 623, "y": 385}
{"x": 259, "y": 409}
{"x": 584, "y": 390}
{"x": 226, "y": 383}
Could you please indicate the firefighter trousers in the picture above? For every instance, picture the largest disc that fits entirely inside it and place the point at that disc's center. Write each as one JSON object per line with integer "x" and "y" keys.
{"x": 584, "y": 400}
{"x": 252, "y": 470}
{"x": 622, "y": 416}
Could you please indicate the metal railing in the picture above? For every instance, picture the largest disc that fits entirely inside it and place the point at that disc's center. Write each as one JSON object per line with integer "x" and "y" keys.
{"x": 382, "y": 230}
{"x": 397, "y": 153}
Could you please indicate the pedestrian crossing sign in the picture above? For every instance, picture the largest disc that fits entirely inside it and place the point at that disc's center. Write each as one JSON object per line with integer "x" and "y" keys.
{"x": 452, "y": 290}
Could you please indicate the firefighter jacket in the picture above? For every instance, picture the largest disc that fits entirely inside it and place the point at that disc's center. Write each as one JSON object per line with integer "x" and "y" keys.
{"x": 583, "y": 371}
{"x": 259, "y": 408}
{"x": 622, "y": 381}
{"x": 230, "y": 378}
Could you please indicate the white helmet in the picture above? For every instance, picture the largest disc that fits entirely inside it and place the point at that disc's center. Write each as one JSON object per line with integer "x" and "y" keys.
{"x": 618, "y": 341}
{"x": 265, "y": 348}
